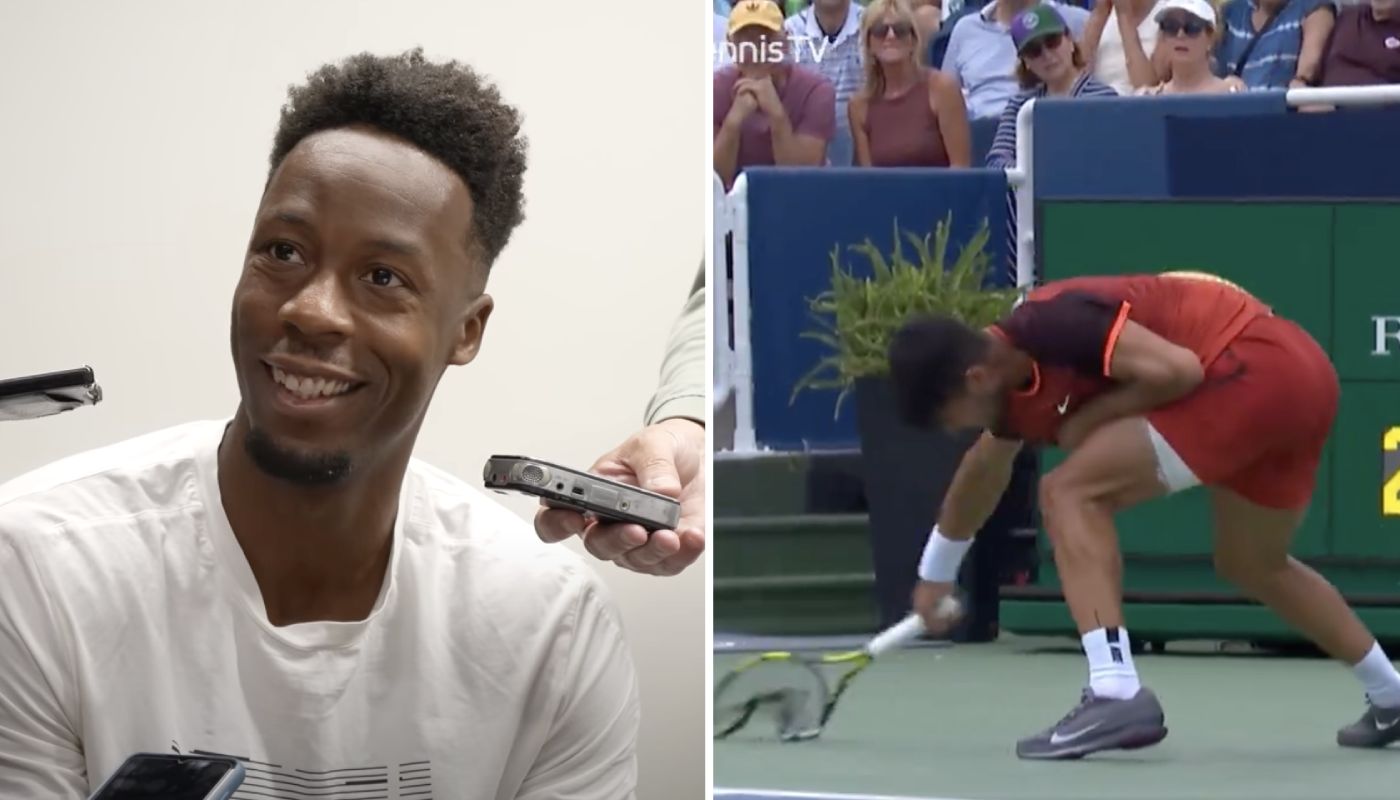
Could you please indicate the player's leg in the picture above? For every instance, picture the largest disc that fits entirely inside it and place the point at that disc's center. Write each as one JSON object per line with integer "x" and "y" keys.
{"x": 1251, "y": 551}
{"x": 1116, "y": 467}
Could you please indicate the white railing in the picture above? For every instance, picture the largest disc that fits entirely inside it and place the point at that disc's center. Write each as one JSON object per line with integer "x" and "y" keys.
{"x": 1022, "y": 180}
{"x": 721, "y": 295}
{"x": 732, "y": 218}
{"x": 1021, "y": 177}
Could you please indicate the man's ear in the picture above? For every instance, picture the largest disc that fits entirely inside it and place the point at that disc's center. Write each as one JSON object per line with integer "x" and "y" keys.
{"x": 977, "y": 378}
{"x": 471, "y": 331}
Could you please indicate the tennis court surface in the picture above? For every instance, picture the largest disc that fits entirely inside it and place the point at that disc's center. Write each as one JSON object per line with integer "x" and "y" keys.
{"x": 941, "y": 724}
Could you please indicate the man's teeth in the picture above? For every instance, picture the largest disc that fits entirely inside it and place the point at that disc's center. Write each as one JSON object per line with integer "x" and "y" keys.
{"x": 309, "y": 388}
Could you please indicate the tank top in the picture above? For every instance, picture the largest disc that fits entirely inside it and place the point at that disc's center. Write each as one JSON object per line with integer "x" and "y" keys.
{"x": 903, "y": 130}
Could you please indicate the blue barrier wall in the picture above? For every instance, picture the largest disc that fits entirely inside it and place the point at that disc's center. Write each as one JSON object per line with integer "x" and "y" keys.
{"x": 1232, "y": 146}
{"x": 796, "y": 219}
{"x": 1098, "y": 148}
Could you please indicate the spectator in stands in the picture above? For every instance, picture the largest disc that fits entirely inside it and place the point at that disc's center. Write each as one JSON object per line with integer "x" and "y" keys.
{"x": 1120, "y": 43}
{"x": 825, "y": 36}
{"x": 721, "y": 39}
{"x": 1365, "y": 46}
{"x": 982, "y": 58}
{"x": 1189, "y": 30}
{"x": 1049, "y": 64}
{"x": 906, "y": 115}
{"x": 928, "y": 15}
{"x": 767, "y": 110}
{"x": 1275, "y": 44}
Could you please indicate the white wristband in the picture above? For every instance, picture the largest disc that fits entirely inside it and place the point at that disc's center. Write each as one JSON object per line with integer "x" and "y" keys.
{"x": 942, "y": 557}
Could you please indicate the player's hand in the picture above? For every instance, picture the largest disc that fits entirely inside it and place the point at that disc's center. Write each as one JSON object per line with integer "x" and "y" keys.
{"x": 928, "y": 595}
{"x": 667, "y": 458}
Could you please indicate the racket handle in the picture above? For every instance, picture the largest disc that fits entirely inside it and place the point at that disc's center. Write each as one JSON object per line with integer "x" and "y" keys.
{"x": 907, "y": 630}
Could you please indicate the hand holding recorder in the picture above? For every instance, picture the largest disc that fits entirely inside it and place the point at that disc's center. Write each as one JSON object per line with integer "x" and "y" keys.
{"x": 667, "y": 458}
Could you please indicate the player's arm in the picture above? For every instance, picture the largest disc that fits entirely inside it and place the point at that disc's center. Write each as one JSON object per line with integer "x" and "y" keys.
{"x": 1149, "y": 371}
{"x": 978, "y": 484}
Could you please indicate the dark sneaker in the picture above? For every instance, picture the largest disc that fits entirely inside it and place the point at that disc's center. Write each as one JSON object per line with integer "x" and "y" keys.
{"x": 1100, "y": 723}
{"x": 1377, "y": 727}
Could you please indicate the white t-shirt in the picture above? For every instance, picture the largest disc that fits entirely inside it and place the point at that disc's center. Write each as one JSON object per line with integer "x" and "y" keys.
{"x": 493, "y": 666}
{"x": 1111, "y": 63}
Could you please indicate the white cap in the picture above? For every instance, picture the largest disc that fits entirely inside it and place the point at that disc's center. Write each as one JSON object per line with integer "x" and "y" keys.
{"x": 1200, "y": 9}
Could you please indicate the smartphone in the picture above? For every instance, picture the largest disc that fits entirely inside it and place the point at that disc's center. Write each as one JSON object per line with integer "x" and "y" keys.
{"x": 48, "y": 394}
{"x": 561, "y": 487}
{"x": 158, "y": 776}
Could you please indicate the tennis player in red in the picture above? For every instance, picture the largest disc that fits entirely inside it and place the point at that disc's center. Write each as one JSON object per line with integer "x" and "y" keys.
{"x": 1153, "y": 384}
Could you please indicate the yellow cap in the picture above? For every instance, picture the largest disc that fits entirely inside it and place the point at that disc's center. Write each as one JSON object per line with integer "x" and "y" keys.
{"x": 764, "y": 13}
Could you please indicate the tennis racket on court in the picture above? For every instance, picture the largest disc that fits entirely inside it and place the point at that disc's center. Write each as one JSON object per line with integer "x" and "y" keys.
{"x": 792, "y": 688}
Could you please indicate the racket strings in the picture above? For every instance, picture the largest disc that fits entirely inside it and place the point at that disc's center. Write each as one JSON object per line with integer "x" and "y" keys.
{"x": 787, "y": 693}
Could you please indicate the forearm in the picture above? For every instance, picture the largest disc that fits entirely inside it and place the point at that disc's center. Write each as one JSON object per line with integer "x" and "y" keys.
{"x": 786, "y": 152}
{"x": 1141, "y": 72}
{"x": 727, "y": 152}
{"x": 1316, "y": 30}
{"x": 978, "y": 484}
{"x": 682, "y": 388}
{"x": 980, "y": 481}
{"x": 1093, "y": 31}
{"x": 1129, "y": 400}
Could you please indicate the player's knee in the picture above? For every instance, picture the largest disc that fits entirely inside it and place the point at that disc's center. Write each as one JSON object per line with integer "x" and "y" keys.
{"x": 1231, "y": 568}
{"x": 1058, "y": 493}
{"x": 1248, "y": 571}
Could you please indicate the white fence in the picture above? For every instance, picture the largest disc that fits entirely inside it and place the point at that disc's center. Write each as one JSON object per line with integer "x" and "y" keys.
{"x": 733, "y": 377}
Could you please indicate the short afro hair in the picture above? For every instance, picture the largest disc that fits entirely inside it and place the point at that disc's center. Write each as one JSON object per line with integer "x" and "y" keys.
{"x": 447, "y": 110}
{"x": 929, "y": 357}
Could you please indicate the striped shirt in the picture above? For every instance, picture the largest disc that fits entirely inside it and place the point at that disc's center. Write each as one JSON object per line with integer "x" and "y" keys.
{"x": 1274, "y": 60}
{"x": 838, "y": 59}
{"x": 1002, "y": 154}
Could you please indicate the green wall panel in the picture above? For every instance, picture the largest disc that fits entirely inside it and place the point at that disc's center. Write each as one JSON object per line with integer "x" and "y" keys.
{"x": 1281, "y": 252}
{"x": 1368, "y": 411}
{"x": 1368, "y": 293}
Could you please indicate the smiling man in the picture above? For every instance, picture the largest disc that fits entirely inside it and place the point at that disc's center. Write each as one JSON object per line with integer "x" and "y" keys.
{"x": 290, "y": 586}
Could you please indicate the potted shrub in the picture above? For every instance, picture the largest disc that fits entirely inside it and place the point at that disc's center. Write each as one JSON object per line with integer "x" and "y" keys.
{"x": 907, "y": 471}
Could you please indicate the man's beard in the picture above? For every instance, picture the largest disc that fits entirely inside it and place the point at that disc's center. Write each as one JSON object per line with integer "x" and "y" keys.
{"x": 302, "y": 469}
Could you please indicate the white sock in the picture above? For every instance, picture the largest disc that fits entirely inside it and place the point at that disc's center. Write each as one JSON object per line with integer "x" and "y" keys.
{"x": 1379, "y": 677}
{"x": 1111, "y": 671}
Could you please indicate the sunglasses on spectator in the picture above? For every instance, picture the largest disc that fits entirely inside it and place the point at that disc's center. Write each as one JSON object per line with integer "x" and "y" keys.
{"x": 1191, "y": 27}
{"x": 1035, "y": 48}
{"x": 902, "y": 30}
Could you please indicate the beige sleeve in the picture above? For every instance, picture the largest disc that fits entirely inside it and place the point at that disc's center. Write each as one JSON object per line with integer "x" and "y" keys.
{"x": 683, "y": 379}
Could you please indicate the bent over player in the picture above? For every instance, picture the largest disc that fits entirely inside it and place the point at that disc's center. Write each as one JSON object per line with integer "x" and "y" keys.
{"x": 1153, "y": 384}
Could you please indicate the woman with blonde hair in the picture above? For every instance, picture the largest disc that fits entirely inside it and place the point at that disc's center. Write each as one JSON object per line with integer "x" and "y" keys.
{"x": 907, "y": 114}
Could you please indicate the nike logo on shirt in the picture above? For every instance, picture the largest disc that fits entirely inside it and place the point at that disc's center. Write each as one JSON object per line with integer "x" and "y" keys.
{"x": 1064, "y": 405}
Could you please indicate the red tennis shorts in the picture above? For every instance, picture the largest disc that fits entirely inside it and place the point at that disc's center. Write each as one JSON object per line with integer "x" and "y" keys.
{"x": 1259, "y": 421}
